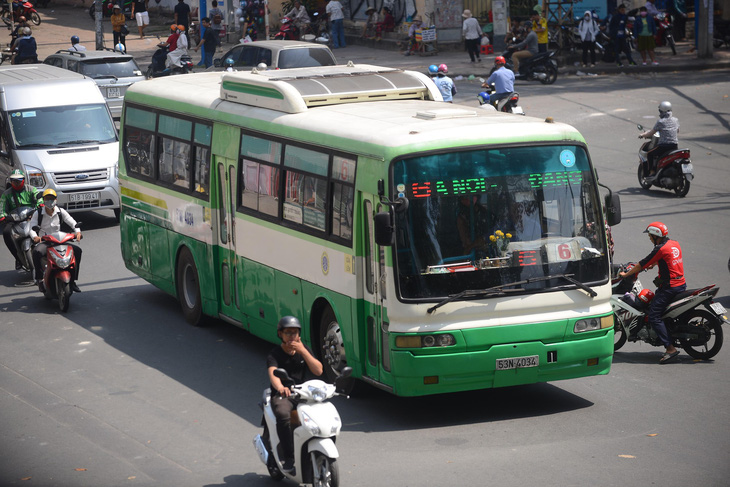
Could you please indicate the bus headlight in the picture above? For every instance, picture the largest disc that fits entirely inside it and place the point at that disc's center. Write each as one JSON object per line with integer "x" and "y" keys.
{"x": 592, "y": 324}
{"x": 425, "y": 341}
{"x": 35, "y": 177}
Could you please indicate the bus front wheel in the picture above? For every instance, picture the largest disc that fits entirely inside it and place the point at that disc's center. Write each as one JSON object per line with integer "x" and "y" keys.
{"x": 188, "y": 289}
{"x": 332, "y": 345}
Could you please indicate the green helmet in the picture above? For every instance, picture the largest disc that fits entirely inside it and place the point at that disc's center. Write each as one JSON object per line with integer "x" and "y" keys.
{"x": 17, "y": 174}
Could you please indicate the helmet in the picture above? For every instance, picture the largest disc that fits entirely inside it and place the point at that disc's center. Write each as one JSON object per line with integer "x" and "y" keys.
{"x": 288, "y": 322}
{"x": 646, "y": 296}
{"x": 443, "y": 68}
{"x": 433, "y": 69}
{"x": 49, "y": 192}
{"x": 262, "y": 66}
{"x": 500, "y": 60}
{"x": 74, "y": 40}
{"x": 22, "y": 19}
{"x": 658, "y": 229}
{"x": 665, "y": 106}
{"x": 17, "y": 179}
{"x": 119, "y": 47}
{"x": 229, "y": 62}
{"x": 174, "y": 27}
{"x": 483, "y": 97}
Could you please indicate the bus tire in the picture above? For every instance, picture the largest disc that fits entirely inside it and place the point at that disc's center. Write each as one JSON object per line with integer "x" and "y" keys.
{"x": 188, "y": 289}
{"x": 331, "y": 344}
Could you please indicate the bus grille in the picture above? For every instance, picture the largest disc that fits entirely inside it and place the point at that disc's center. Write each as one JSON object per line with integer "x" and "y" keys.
{"x": 94, "y": 175}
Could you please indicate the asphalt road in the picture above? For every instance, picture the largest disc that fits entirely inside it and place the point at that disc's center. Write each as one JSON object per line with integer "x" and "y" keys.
{"x": 121, "y": 391}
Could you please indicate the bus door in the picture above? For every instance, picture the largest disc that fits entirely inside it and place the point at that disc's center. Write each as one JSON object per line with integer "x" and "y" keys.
{"x": 226, "y": 268}
{"x": 373, "y": 293}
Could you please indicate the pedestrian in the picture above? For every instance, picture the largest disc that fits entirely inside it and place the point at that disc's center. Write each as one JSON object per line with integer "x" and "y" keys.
{"x": 209, "y": 42}
{"x": 445, "y": 84}
{"x": 216, "y": 18}
{"x": 588, "y": 30}
{"x": 337, "y": 23}
{"x": 182, "y": 14}
{"x": 386, "y": 25}
{"x": 139, "y": 11}
{"x": 119, "y": 30}
{"x": 617, "y": 31}
{"x": 645, "y": 28}
{"x": 540, "y": 27}
{"x": 472, "y": 34}
{"x": 370, "y": 23}
{"x": 411, "y": 43}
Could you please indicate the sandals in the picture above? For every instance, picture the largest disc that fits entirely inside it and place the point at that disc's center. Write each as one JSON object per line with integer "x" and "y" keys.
{"x": 667, "y": 357}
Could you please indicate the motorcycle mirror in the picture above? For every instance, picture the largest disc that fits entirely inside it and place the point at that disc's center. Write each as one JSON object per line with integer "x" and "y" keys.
{"x": 640, "y": 127}
{"x": 281, "y": 374}
{"x": 344, "y": 382}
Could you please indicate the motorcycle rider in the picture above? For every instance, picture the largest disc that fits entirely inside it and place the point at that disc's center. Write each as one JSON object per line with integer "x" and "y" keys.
{"x": 445, "y": 84}
{"x": 299, "y": 16}
{"x": 667, "y": 254}
{"x": 296, "y": 358}
{"x": 76, "y": 44}
{"x": 526, "y": 49}
{"x": 17, "y": 195}
{"x": 48, "y": 219}
{"x": 181, "y": 48}
{"x": 668, "y": 128}
{"x": 503, "y": 79}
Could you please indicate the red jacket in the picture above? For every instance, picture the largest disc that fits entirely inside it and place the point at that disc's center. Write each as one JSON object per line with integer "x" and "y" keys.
{"x": 668, "y": 256}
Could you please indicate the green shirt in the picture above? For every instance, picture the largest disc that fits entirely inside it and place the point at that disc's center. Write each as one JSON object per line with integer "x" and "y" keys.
{"x": 12, "y": 199}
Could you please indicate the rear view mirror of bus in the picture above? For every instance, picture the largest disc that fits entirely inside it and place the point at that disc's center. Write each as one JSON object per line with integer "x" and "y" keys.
{"x": 613, "y": 209}
{"x": 383, "y": 229}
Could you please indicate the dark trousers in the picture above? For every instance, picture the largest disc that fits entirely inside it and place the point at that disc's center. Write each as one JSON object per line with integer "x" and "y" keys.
{"x": 662, "y": 298}
{"x": 622, "y": 46}
{"x": 657, "y": 153}
{"x": 9, "y": 240}
{"x": 472, "y": 47}
{"x": 542, "y": 47}
{"x": 282, "y": 407}
{"x": 589, "y": 46}
{"x": 39, "y": 251}
{"x": 119, "y": 38}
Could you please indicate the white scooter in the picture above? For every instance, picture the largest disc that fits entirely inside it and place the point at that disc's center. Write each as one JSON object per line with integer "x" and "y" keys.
{"x": 315, "y": 424}
{"x": 19, "y": 218}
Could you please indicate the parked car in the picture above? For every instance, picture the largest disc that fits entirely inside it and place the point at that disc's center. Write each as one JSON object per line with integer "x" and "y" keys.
{"x": 276, "y": 55}
{"x": 113, "y": 72}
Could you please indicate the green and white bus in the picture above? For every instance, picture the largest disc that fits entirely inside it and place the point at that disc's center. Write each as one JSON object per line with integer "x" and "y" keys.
{"x": 431, "y": 247}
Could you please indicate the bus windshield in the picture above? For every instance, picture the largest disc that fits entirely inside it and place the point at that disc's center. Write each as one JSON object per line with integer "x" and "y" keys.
{"x": 63, "y": 126}
{"x": 482, "y": 218}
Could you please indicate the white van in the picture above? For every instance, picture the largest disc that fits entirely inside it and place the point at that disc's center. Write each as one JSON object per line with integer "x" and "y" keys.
{"x": 56, "y": 127}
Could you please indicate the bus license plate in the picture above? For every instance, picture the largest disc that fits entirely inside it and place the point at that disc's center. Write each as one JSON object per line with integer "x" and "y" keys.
{"x": 517, "y": 362}
{"x": 687, "y": 168}
{"x": 76, "y": 197}
{"x": 113, "y": 92}
{"x": 718, "y": 308}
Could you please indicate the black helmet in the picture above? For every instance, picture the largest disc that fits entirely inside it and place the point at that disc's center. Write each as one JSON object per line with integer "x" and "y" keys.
{"x": 288, "y": 322}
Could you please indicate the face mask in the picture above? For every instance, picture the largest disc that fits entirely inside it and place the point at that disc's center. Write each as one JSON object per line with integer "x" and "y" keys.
{"x": 643, "y": 14}
{"x": 50, "y": 203}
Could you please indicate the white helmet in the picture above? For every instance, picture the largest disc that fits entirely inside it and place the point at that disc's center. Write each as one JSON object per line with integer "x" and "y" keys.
{"x": 665, "y": 106}
{"x": 119, "y": 47}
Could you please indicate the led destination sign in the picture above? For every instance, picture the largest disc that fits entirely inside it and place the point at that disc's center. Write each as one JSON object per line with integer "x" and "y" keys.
{"x": 456, "y": 187}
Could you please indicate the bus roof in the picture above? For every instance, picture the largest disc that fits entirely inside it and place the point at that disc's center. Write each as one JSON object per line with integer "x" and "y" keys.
{"x": 416, "y": 122}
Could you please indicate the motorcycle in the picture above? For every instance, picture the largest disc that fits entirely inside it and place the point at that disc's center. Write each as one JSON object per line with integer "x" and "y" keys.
{"x": 540, "y": 67}
{"x": 24, "y": 9}
{"x": 694, "y": 321}
{"x": 315, "y": 424}
{"x": 107, "y": 8}
{"x": 288, "y": 31}
{"x": 674, "y": 170}
{"x": 19, "y": 218}
{"x": 664, "y": 29}
{"x": 507, "y": 104}
{"x": 59, "y": 264}
{"x": 157, "y": 68}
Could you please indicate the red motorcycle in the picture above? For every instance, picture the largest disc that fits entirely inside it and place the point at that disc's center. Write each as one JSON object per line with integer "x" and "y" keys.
{"x": 288, "y": 31}
{"x": 59, "y": 263}
{"x": 20, "y": 9}
{"x": 664, "y": 29}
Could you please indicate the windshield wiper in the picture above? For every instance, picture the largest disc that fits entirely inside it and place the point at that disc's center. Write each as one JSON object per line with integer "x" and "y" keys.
{"x": 496, "y": 290}
{"x": 28, "y": 146}
{"x": 80, "y": 141}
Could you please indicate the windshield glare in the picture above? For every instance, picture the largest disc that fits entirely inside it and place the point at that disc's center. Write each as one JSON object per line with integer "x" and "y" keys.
{"x": 110, "y": 68}
{"x": 61, "y": 126}
{"x": 478, "y": 219}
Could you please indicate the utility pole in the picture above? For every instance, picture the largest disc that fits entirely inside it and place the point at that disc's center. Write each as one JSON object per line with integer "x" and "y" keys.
{"x": 98, "y": 26}
{"x": 500, "y": 19}
{"x": 704, "y": 28}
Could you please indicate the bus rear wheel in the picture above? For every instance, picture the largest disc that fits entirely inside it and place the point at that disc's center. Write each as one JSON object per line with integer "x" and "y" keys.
{"x": 332, "y": 345}
{"x": 188, "y": 289}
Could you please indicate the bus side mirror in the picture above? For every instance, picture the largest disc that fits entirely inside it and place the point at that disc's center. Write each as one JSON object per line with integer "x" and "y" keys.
{"x": 384, "y": 233}
{"x": 613, "y": 209}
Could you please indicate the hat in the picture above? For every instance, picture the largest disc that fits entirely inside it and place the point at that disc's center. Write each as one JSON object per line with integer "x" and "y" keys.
{"x": 417, "y": 18}
{"x": 466, "y": 14}
{"x": 370, "y": 9}
{"x": 116, "y": 7}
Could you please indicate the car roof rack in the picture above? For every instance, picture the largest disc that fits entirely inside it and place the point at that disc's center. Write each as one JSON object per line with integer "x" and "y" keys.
{"x": 75, "y": 53}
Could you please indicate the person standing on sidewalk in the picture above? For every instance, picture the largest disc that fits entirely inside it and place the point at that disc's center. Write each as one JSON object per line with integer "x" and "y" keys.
{"x": 646, "y": 30}
{"x": 209, "y": 42}
{"x": 182, "y": 14}
{"x": 139, "y": 11}
{"x": 472, "y": 33}
{"x": 118, "y": 20}
{"x": 337, "y": 23}
{"x": 617, "y": 31}
{"x": 540, "y": 27}
{"x": 588, "y": 30}
{"x": 216, "y": 18}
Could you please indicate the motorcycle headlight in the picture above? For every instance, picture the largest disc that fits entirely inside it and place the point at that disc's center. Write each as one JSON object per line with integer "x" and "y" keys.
{"x": 35, "y": 177}
{"x": 309, "y": 423}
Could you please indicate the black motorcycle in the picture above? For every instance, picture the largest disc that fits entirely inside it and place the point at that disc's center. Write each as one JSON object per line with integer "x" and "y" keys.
{"x": 157, "y": 68}
{"x": 540, "y": 67}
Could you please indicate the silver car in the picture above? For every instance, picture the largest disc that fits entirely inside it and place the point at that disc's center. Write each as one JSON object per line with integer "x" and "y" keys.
{"x": 112, "y": 71}
{"x": 276, "y": 55}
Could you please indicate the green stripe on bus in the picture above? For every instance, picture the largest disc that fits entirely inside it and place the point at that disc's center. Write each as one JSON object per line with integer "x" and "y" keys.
{"x": 253, "y": 90}
{"x": 160, "y": 203}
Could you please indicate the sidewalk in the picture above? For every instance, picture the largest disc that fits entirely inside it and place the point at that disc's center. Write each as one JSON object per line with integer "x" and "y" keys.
{"x": 61, "y": 22}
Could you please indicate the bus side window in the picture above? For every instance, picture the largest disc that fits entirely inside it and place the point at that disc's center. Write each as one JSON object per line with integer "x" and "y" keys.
{"x": 369, "y": 242}
{"x": 139, "y": 149}
{"x": 202, "y": 169}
